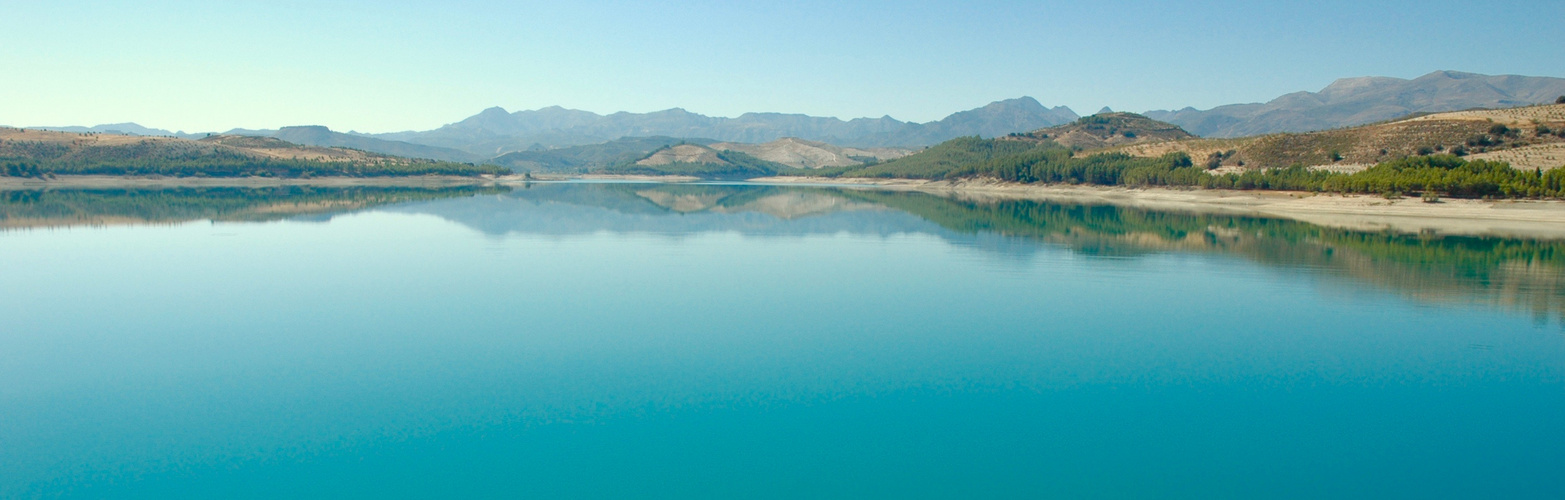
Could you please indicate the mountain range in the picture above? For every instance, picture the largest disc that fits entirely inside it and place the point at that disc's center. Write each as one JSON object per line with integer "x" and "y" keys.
{"x": 1357, "y": 101}
{"x": 495, "y": 132}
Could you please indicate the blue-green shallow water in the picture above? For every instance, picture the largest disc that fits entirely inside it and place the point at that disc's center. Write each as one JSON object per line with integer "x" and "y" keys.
{"x": 589, "y": 340}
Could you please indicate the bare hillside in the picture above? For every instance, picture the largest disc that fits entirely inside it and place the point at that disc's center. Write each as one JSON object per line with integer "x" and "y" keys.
{"x": 1529, "y": 137}
{"x": 39, "y": 152}
{"x": 682, "y": 153}
{"x": 800, "y": 153}
{"x": 24, "y": 144}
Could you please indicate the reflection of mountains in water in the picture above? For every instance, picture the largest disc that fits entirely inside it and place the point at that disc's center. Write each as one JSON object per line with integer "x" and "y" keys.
{"x": 565, "y": 209}
{"x": 98, "y": 207}
{"x": 1505, "y": 272}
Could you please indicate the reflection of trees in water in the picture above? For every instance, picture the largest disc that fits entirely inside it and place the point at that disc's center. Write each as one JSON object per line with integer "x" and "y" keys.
{"x": 1508, "y": 273}
{"x": 1502, "y": 272}
{"x": 74, "y": 207}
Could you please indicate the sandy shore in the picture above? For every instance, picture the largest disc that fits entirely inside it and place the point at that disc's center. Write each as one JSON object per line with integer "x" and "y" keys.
{"x": 1513, "y": 218}
{"x": 112, "y": 182}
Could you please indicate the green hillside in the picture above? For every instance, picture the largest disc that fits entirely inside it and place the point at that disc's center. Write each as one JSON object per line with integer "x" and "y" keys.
{"x": 940, "y": 160}
{"x": 1037, "y": 158}
{"x": 1108, "y": 129}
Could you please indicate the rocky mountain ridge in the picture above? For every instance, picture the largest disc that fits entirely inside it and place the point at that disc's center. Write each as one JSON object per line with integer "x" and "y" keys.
{"x": 1357, "y": 101}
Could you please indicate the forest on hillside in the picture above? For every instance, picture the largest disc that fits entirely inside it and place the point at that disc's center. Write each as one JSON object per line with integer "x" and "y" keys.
{"x": 1430, "y": 176}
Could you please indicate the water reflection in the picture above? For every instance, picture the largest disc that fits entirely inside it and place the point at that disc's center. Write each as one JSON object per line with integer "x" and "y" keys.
{"x": 1512, "y": 273}
{"x": 1518, "y": 274}
{"x": 97, "y": 207}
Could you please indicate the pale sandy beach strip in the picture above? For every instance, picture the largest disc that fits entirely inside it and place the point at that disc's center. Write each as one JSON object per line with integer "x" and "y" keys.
{"x": 1511, "y": 218}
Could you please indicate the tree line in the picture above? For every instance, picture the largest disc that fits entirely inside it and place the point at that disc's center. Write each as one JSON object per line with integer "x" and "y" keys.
{"x": 1432, "y": 176}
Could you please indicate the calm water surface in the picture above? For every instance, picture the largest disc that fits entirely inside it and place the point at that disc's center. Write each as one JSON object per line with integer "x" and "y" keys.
{"x": 637, "y": 340}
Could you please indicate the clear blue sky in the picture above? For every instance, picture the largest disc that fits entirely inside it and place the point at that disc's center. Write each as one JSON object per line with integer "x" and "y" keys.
{"x": 392, "y": 65}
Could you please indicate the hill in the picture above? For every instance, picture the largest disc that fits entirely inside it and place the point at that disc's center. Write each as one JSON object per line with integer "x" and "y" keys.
{"x": 1528, "y": 137}
{"x": 586, "y": 158}
{"x": 790, "y": 152}
{"x": 1091, "y": 132}
{"x": 940, "y": 160}
{"x": 1401, "y": 158}
{"x": 800, "y": 153}
{"x": 1358, "y": 101}
{"x": 314, "y": 135}
{"x": 30, "y": 153}
{"x": 1107, "y": 129}
{"x": 122, "y": 129}
{"x": 495, "y": 131}
{"x": 308, "y": 135}
{"x": 699, "y": 161}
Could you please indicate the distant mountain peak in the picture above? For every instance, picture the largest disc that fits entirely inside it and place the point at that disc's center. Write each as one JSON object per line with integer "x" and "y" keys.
{"x": 1453, "y": 75}
{"x": 1019, "y": 102}
{"x": 1361, "y": 100}
{"x": 305, "y": 128}
{"x": 493, "y": 132}
{"x": 1358, "y": 84}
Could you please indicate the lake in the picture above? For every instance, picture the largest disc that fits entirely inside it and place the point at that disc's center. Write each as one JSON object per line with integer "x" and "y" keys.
{"x": 567, "y": 340}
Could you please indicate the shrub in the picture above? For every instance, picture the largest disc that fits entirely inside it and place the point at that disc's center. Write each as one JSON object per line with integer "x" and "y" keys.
{"x": 1559, "y": 100}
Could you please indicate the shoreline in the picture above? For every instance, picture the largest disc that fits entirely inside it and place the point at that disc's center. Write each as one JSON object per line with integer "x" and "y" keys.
{"x": 1507, "y": 218}
{"x": 1511, "y": 218}
{"x": 116, "y": 181}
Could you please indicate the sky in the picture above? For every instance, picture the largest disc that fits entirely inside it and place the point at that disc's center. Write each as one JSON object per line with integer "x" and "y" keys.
{"x": 389, "y": 65}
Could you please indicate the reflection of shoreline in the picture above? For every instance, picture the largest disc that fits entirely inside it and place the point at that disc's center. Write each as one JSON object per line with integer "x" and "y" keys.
{"x": 1513, "y": 273}
{"x": 1527, "y": 218}
{"x": 1510, "y": 218}
{"x": 1519, "y": 273}
{"x": 126, "y": 182}
{"x": 39, "y": 208}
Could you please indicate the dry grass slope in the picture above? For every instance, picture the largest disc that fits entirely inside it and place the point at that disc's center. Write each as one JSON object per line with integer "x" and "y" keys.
{"x": 35, "y": 153}
{"x": 682, "y": 153}
{"x": 39, "y": 144}
{"x": 1529, "y": 137}
{"x": 800, "y": 153}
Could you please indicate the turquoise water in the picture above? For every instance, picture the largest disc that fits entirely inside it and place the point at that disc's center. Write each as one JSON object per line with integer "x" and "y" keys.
{"x": 624, "y": 340}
